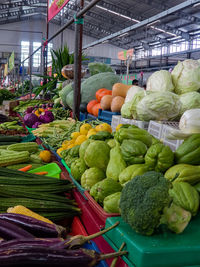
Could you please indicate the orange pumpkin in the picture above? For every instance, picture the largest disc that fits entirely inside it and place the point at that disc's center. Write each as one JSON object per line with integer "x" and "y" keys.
{"x": 90, "y": 105}
{"x": 120, "y": 89}
{"x": 101, "y": 92}
{"x": 95, "y": 109}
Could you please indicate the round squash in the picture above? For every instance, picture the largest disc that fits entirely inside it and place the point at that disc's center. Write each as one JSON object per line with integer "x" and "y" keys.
{"x": 117, "y": 103}
{"x": 90, "y": 105}
{"x": 120, "y": 89}
{"x": 95, "y": 109}
{"x": 106, "y": 102}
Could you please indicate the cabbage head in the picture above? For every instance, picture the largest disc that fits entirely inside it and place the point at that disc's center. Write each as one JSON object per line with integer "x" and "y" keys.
{"x": 126, "y": 110}
{"x": 160, "y": 81}
{"x": 97, "y": 155}
{"x": 131, "y": 92}
{"x": 186, "y": 76}
{"x": 91, "y": 176}
{"x": 135, "y": 100}
{"x": 159, "y": 106}
{"x": 189, "y": 101}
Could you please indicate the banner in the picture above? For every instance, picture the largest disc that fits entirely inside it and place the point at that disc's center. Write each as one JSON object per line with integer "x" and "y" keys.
{"x": 11, "y": 62}
{"x": 6, "y": 70}
{"x": 123, "y": 55}
{"x": 54, "y": 7}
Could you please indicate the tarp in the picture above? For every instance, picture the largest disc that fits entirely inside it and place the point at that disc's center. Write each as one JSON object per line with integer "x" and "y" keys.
{"x": 54, "y": 7}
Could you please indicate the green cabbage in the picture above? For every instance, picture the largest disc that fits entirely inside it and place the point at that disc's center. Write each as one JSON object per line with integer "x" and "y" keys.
{"x": 189, "y": 101}
{"x": 126, "y": 110}
{"x": 159, "y": 106}
{"x": 186, "y": 76}
{"x": 160, "y": 81}
{"x": 131, "y": 92}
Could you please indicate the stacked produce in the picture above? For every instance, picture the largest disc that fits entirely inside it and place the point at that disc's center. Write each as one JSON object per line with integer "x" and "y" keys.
{"x": 42, "y": 194}
{"x": 168, "y": 96}
{"x": 23, "y": 105}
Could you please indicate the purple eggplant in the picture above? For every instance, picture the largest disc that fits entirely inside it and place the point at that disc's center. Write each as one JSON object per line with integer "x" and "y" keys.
{"x": 79, "y": 240}
{"x": 43, "y": 256}
{"x": 36, "y": 227}
{"x": 46, "y": 242}
{"x": 10, "y": 231}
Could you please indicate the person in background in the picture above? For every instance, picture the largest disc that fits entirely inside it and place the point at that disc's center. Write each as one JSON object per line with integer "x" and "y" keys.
{"x": 145, "y": 86}
{"x": 135, "y": 82}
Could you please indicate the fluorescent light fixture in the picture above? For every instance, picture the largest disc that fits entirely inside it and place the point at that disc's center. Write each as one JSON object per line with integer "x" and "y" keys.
{"x": 154, "y": 22}
{"x": 104, "y": 42}
{"x": 195, "y": 5}
{"x": 134, "y": 20}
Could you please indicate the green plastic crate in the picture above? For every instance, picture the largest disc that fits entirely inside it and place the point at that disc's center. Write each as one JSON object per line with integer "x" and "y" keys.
{"x": 161, "y": 250}
{"x": 30, "y": 129}
{"x": 52, "y": 168}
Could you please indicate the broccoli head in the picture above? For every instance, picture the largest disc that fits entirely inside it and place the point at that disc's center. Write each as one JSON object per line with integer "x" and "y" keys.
{"x": 143, "y": 200}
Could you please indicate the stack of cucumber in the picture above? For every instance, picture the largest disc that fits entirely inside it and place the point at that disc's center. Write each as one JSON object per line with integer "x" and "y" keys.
{"x": 42, "y": 194}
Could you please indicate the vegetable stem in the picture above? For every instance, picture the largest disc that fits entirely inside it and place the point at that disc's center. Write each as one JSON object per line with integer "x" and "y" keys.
{"x": 114, "y": 262}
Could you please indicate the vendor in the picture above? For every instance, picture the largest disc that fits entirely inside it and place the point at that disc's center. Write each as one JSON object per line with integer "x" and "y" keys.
{"x": 135, "y": 82}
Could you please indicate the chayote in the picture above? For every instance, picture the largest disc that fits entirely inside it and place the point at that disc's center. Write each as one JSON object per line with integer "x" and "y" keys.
{"x": 159, "y": 157}
{"x": 131, "y": 171}
{"x": 91, "y": 176}
{"x": 185, "y": 196}
{"x": 104, "y": 188}
{"x": 78, "y": 167}
{"x": 116, "y": 163}
{"x": 133, "y": 151}
{"x": 111, "y": 203}
{"x": 83, "y": 148}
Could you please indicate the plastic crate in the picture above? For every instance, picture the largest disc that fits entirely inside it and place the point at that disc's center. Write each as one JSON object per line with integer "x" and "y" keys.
{"x": 173, "y": 144}
{"x": 83, "y": 116}
{"x": 160, "y": 250}
{"x": 28, "y": 138}
{"x": 106, "y": 115}
{"x": 155, "y": 129}
{"x": 98, "y": 209}
{"x": 78, "y": 186}
{"x": 65, "y": 165}
{"x": 116, "y": 119}
{"x": 91, "y": 117}
{"x": 52, "y": 168}
{"x": 141, "y": 124}
{"x": 30, "y": 129}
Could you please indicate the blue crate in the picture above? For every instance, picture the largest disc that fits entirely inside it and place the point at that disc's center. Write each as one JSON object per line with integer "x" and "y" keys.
{"x": 106, "y": 115}
{"x": 92, "y": 245}
{"x": 91, "y": 117}
{"x": 83, "y": 116}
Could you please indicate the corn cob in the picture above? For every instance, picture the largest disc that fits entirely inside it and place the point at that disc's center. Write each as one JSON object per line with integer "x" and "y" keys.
{"x": 6, "y": 160}
{"x": 24, "y": 211}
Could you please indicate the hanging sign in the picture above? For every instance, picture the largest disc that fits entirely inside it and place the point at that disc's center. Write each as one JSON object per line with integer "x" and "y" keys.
{"x": 11, "y": 62}
{"x": 54, "y": 7}
{"x": 123, "y": 55}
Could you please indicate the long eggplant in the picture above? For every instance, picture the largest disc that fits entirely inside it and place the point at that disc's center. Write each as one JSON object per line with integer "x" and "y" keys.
{"x": 42, "y": 256}
{"x": 78, "y": 240}
{"x": 36, "y": 227}
{"x": 10, "y": 231}
{"x": 46, "y": 242}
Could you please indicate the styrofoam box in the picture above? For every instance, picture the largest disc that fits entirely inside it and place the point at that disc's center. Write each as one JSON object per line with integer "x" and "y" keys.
{"x": 141, "y": 124}
{"x": 116, "y": 119}
{"x": 173, "y": 144}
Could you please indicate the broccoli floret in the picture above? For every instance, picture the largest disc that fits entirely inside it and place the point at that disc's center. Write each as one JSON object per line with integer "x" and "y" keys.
{"x": 143, "y": 200}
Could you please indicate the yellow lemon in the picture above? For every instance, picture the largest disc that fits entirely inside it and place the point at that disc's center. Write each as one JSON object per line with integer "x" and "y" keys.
{"x": 80, "y": 139}
{"x": 103, "y": 127}
{"x": 74, "y": 135}
{"x": 118, "y": 127}
{"x": 70, "y": 146}
{"x": 91, "y": 132}
{"x": 68, "y": 142}
{"x": 85, "y": 128}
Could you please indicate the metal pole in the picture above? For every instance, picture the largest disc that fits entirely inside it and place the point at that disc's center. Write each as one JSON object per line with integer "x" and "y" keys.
{"x": 22, "y": 78}
{"x": 46, "y": 49}
{"x": 76, "y": 76}
{"x": 80, "y": 14}
{"x": 30, "y": 75}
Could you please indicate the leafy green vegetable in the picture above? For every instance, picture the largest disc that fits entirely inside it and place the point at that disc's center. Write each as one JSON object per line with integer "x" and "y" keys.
{"x": 98, "y": 67}
{"x": 91, "y": 176}
{"x": 189, "y": 100}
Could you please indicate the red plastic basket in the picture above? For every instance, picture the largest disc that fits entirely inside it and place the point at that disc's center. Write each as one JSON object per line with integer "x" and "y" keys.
{"x": 98, "y": 209}
{"x": 77, "y": 227}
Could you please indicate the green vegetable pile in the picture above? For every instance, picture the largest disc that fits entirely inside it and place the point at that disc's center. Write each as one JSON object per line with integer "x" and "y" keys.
{"x": 5, "y": 95}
